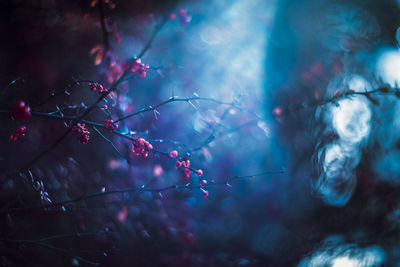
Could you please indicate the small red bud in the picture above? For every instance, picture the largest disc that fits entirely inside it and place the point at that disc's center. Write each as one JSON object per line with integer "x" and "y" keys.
{"x": 149, "y": 146}
{"x": 182, "y": 12}
{"x": 205, "y": 193}
{"x": 173, "y": 154}
{"x": 199, "y": 172}
{"x": 178, "y": 164}
{"x": 187, "y": 173}
{"x": 186, "y": 163}
{"x": 140, "y": 141}
{"x": 19, "y": 132}
{"x": 172, "y": 16}
{"x": 203, "y": 183}
{"x": 21, "y": 111}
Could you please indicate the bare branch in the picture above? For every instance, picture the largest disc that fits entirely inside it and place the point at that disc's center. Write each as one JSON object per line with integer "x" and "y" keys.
{"x": 108, "y": 141}
{"x": 140, "y": 189}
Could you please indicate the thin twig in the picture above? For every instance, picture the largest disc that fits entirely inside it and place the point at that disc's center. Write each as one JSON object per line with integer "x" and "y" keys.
{"x": 51, "y": 247}
{"x": 84, "y": 234}
{"x": 214, "y": 136}
{"x": 9, "y": 85}
{"x": 149, "y": 43}
{"x": 176, "y": 99}
{"x": 382, "y": 90}
{"x": 109, "y": 141}
{"x": 139, "y": 189}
